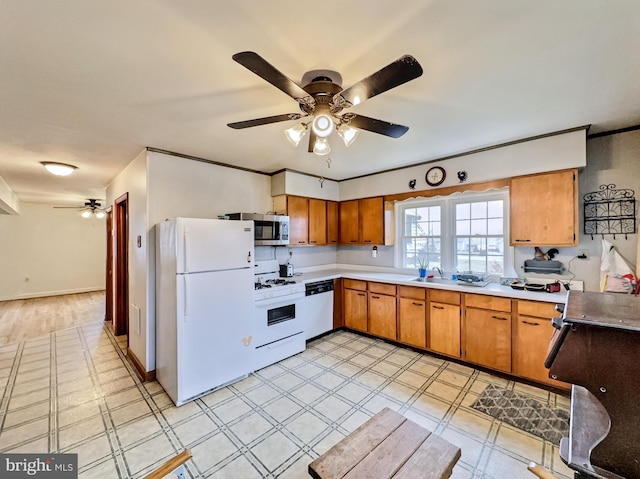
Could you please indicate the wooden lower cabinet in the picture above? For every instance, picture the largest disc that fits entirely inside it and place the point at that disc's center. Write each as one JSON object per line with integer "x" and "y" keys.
{"x": 444, "y": 328}
{"x": 487, "y": 338}
{"x": 355, "y": 309}
{"x": 412, "y": 316}
{"x": 382, "y": 315}
{"x": 532, "y": 331}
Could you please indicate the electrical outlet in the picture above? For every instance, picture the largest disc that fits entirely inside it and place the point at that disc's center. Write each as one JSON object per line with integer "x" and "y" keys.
{"x": 583, "y": 254}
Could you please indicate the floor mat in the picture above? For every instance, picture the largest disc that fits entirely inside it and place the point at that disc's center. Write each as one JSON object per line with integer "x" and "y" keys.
{"x": 524, "y": 412}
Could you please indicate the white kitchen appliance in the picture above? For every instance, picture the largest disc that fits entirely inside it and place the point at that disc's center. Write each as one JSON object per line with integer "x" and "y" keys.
{"x": 317, "y": 308}
{"x": 204, "y": 286}
{"x": 278, "y": 324}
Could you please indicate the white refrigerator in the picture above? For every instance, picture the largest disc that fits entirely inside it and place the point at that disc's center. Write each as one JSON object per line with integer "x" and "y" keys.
{"x": 204, "y": 304}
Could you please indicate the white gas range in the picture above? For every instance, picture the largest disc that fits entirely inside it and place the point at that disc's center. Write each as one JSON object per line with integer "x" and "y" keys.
{"x": 278, "y": 327}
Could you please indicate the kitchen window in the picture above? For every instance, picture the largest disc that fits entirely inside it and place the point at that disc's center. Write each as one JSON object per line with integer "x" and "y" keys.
{"x": 462, "y": 232}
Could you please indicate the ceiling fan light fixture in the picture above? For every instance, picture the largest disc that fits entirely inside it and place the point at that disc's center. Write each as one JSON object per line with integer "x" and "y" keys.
{"x": 321, "y": 146}
{"x": 100, "y": 214}
{"x": 58, "y": 169}
{"x": 322, "y": 125}
{"x": 86, "y": 214}
{"x": 296, "y": 133}
{"x": 348, "y": 133}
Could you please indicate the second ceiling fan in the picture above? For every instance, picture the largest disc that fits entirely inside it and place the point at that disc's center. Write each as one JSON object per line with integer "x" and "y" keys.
{"x": 323, "y": 99}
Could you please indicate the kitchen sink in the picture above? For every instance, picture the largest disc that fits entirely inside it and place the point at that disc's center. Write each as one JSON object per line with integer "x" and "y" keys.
{"x": 435, "y": 280}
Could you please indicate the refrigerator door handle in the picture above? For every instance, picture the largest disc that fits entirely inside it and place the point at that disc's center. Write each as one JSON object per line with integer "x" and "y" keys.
{"x": 186, "y": 252}
{"x": 249, "y": 257}
{"x": 186, "y": 297}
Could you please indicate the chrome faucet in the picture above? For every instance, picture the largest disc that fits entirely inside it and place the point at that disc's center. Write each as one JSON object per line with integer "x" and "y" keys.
{"x": 439, "y": 272}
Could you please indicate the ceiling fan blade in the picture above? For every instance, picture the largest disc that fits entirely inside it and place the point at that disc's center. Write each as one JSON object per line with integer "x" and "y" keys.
{"x": 404, "y": 69}
{"x": 377, "y": 126}
{"x": 239, "y": 125}
{"x": 258, "y": 65}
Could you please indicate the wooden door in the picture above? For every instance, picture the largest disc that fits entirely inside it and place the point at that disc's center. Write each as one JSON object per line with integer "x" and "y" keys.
{"x": 332, "y": 222}
{"x": 108, "y": 309}
{"x": 121, "y": 290}
{"x": 444, "y": 328}
{"x": 382, "y": 315}
{"x": 412, "y": 322}
{"x": 317, "y": 221}
{"x": 371, "y": 215}
{"x": 298, "y": 211}
{"x": 355, "y": 309}
{"x": 487, "y": 338}
{"x": 543, "y": 209}
{"x": 349, "y": 222}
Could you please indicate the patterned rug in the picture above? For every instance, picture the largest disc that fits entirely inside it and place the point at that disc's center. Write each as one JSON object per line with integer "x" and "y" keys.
{"x": 524, "y": 412}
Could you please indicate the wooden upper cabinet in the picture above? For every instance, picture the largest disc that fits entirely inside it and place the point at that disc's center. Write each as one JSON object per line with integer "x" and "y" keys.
{"x": 362, "y": 221}
{"x": 317, "y": 221}
{"x": 298, "y": 211}
{"x": 332, "y": 222}
{"x": 349, "y": 222}
{"x": 371, "y": 216}
{"x": 543, "y": 209}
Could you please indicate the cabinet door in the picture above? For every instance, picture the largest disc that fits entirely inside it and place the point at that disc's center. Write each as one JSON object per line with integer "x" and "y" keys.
{"x": 298, "y": 211}
{"x": 382, "y": 315}
{"x": 371, "y": 213}
{"x": 531, "y": 339}
{"x": 444, "y": 328}
{"x": 412, "y": 322}
{"x": 487, "y": 338}
{"x": 349, "y": 222}
{"x": 543, "y": 209}
{"x": 355, "y": 309}
{"x": 332, "y": 222}
{"x": 317, "y": 221}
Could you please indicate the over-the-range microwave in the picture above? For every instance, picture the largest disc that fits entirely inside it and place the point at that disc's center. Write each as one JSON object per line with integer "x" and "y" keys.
{"x": 270, "y": 230}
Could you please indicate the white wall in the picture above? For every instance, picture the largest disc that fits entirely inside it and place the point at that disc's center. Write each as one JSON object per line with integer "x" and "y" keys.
{"x": 556, "y": 152}
{"x": 46, "y": 251}
{"x": 133, "y": 180}
{"x": 293, "y": 183}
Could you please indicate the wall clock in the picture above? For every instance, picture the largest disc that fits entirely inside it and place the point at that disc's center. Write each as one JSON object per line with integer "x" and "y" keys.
{"x": 435, "y": 176}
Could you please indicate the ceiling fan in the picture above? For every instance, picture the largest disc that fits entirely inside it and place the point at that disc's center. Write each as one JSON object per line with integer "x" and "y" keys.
{"x": 322, "y": 98}
{"x": 90, "y": 208}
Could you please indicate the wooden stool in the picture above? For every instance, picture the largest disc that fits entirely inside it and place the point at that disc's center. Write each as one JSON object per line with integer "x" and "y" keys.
{"x": 387, "y": 446}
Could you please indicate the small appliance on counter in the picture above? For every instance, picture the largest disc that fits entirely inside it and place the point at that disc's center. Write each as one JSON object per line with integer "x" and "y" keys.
{"x": 286, "y": 270}
{"x": 473, "y": 279}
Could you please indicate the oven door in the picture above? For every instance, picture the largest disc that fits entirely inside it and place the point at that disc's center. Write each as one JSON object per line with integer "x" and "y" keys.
{"x": 277, "y": 318}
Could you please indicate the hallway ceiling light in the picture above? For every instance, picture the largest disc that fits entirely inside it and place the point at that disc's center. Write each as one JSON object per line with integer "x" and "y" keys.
{"x": 59, "y": 169}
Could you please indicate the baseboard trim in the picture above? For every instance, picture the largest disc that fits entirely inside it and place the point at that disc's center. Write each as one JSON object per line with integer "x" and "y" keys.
{"x": 44, "y": 294}
{"x": 143, "y": 375}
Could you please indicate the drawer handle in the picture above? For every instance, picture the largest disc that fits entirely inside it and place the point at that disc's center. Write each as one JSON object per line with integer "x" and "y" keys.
{"x": 361, "y": 294}
{"x": 375, "y": 297}
{"x": 353, "y": 241}
{"x": 301, "y": 242}
{"x": 524, "y": 240}
{"x": 499, "y": 318}
{"x": 312, "y": 241}
{"x": 367, "y": 241}
{"x": 418, "y": 304}
{"x": 531, "y": 323}
{"x": 437, "y": 307}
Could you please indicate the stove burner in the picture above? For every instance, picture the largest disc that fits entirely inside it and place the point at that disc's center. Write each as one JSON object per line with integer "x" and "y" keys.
{"x": 261, "y": 285}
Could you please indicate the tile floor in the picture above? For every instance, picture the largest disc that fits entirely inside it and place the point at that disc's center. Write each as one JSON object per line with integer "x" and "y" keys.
{"x": 73, "y": 391}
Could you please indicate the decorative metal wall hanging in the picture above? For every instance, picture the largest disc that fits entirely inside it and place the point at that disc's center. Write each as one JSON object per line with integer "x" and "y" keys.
{"x": 610, "y": 212}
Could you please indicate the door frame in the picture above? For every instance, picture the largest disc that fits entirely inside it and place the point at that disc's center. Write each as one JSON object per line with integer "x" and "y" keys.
{"x": 121, "y": 266}
{"x": 108, "y": 309}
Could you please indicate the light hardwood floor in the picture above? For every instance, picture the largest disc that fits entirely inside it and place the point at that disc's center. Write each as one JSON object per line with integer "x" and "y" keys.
{"x": 23, "y": 319}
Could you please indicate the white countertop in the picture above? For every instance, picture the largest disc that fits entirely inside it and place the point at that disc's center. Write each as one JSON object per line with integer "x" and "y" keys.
{"x": 307, "y": 275}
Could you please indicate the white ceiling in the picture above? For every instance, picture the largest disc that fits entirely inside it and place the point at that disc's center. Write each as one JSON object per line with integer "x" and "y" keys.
{"x": 93, "y": 82}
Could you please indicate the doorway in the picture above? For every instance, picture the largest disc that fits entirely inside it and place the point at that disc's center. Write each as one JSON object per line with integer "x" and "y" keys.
{"x": 121, "y": 289}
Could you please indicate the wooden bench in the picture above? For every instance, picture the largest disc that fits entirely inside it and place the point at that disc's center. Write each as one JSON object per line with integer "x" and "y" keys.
{"x": 387, "y": 446}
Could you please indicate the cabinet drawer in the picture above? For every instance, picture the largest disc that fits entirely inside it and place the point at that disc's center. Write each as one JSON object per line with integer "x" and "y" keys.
{"x": 383, "y": 288}
{"x": 355, "y": 284}
{"x": 441, "y": 296}
{"x": 411, "y": 292}
{"x": 538, "y": 309}
{"x": 487, "y": 302}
